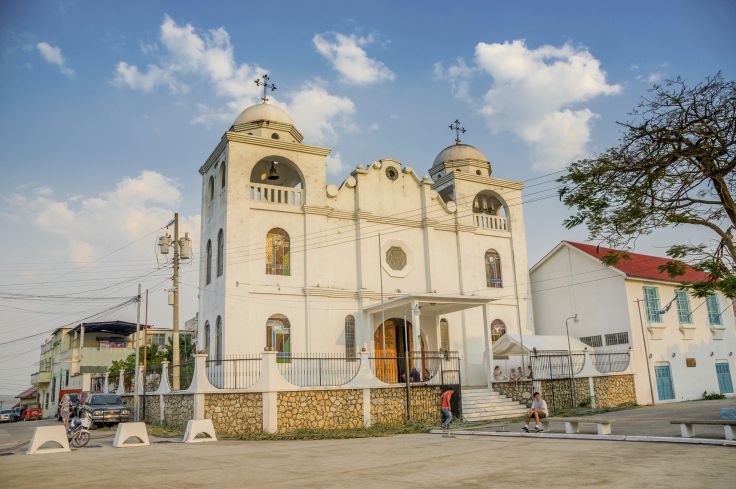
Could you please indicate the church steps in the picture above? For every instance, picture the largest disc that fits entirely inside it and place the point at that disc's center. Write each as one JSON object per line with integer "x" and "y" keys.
{"x": 486, "y": 404}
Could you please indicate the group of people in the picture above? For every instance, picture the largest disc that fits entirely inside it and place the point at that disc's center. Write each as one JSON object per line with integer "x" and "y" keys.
{"x": 515, "y": 374}
{"x": 537, "y": 411}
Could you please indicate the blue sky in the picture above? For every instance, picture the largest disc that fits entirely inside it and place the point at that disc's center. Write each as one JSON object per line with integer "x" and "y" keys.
{"x": 98, "y": 147}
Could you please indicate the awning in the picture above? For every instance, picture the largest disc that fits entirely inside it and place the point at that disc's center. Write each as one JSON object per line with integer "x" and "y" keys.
{"x": 123, "y": 328}
{"x": 29, "y": 393}
{"x": 431, "y": 304}
{"x": 511, "y": 344}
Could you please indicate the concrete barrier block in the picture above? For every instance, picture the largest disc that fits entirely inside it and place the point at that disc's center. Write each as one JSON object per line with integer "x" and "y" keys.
{"x": 198, "y": 427}
{"x": 126, "y": 431}
{"x": 45, "y": 434}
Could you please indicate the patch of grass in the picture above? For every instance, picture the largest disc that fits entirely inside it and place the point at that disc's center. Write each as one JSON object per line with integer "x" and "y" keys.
{"x": 338, "y": 434}
{"x": 163, "y": 431}
{"x": 587, "y": 411}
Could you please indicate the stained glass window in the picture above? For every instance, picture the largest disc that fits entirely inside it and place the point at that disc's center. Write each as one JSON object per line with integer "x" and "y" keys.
{"x": 498, "y": 329}
{"x": 278, "y": 337}
{"x": 396, "y": 258}
{"x": 277, "y": 252}
{"x": 349, "y": 337}
{"x": 493, "y": 269}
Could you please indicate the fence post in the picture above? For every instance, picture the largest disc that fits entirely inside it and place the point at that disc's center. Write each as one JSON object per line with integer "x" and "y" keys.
{"x": 121, "y": 383}
{"x": 141, "y": 380}
{"x": 200, "y": 382}
{"x": 106, "y": 385}
{"x": 163, "y": 385}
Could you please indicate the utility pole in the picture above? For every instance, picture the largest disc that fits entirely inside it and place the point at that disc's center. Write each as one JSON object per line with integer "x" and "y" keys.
{"x": 137, "y": 340}
{"x": 145, "y": 355}
{"x": 646, "y": 349}
{"x": 182, "y": 250}
{"x": 175, "y": 316}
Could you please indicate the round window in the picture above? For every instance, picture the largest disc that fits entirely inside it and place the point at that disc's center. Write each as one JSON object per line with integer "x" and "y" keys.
{"x": 396, "y": 258}
{"x": 392, "y": 173}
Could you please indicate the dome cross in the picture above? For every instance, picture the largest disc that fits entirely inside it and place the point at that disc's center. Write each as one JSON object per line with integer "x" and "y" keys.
{"x": 455, "y": 126}
{"x": 263, "y": 81}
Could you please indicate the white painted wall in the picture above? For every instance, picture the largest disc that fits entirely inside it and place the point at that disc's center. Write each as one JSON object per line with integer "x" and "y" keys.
{"x": 569, "y": 281}
{"x": 335, "y": 257}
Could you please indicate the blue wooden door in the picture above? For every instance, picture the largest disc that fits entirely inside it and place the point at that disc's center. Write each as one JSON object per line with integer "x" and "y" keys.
{"x": 665, "y": 390}
{"x": 724, "y": 378}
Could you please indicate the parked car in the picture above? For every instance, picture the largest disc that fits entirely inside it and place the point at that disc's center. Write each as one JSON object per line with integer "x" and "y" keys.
{"x": 7, "y": 416}
{"x": 105, "y": 409}
{"x": 31, "y": 413}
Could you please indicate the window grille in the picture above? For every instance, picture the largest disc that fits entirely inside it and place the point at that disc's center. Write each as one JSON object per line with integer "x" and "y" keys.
{"x": 493, "y": 269}
{"x": 651, "y": 302}
{"x": 617, "y": 338}
{"x": 593, "y": 341}
{"x": 683, "y": 307}
{"x": 714, "y": 313}
{"x": 349, "y": 337}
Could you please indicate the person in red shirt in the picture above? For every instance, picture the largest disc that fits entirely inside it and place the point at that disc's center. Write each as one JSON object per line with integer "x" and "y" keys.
{"x": 446, "y": 410}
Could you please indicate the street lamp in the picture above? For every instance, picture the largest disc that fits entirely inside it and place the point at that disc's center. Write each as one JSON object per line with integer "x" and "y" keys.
{"x": 569, "y": 357}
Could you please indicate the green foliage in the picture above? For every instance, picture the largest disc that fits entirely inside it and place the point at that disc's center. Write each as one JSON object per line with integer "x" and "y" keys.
{"x": 712, "y": 396}
{"x": 675, "y": 165}
{"x": 154, "y": 357}
{"x": 186, "y": 352}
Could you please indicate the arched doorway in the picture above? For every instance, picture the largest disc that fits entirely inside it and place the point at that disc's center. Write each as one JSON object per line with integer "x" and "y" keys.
{"x": 390, "y": 363}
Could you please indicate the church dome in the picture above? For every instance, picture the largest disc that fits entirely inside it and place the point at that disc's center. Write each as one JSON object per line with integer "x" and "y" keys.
{"x": 459, "y": 152}
{"x": 264, "y": 112}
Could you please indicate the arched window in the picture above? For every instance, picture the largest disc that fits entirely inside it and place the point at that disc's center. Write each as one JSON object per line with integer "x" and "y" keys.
{"x": 220, "y": 252}
{"x": 493, "y": 269}
{"x": 498, "y": 329}
{"x": 223, "y": 175}
{"x": 444, "y": 335}
{"x": 207, "y": 337}
{"x": 208, "y": 277}
{"x": 277, "y": 252}
{"x": 218, "y": 339}
{"x": 211, "y": 188}
{"x": 349, "y": 337}
{"x": 278, "y": 337}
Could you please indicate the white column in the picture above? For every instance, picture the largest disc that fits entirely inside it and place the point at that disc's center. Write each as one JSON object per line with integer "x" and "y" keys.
{"x": 488, "y": 352}
{"x": 415, "y": 313}
{"x": 200, "y": 382}
{"x": 163, "y": 385}
{"x": 121, "y": 383}
{"x": 106, "y": 385}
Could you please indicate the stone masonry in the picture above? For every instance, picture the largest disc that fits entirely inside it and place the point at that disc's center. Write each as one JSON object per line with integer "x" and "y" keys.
{"x": 333, "y": 409}
{"x": 235, "y": 414}
{"x": 388, "y": 406}
{"x": 178, "y": 409}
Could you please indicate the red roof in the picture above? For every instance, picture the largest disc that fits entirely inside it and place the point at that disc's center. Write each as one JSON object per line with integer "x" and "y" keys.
{"x": 28, "y": 393}
{"x": 641, "y": 266}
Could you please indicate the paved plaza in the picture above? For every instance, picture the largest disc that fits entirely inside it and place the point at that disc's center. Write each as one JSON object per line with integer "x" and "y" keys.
{"x": 415, "y": 461}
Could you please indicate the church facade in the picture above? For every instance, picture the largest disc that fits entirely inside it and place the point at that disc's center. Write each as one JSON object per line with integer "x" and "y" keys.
{"x": 389, "y": 260}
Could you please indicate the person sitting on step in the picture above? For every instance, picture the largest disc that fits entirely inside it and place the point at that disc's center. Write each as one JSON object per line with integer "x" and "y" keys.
{"x": 538, "y": 411}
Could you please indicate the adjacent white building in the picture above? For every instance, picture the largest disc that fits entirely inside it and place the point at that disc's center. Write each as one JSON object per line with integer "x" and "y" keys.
{"x": 293, "y": 263}
{"x": 682, "y": 346}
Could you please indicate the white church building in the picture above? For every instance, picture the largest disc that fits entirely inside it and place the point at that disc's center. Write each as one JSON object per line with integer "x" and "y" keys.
{"x": 292, "y": 263}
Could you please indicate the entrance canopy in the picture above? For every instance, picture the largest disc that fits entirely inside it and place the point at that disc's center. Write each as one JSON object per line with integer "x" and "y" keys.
{"x": 511, "y": 344}
{"x": 430, "y": 304}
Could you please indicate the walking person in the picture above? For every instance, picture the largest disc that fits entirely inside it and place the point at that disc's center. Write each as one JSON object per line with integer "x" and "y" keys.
{"x": 538, "y": 411}
{"x": 446, "y": 407}
{"x": 66, "y": 409}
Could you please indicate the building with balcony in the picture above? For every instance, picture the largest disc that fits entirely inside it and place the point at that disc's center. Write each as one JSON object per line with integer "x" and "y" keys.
{"x": 388, "y": 260}
{"x": 683, "y": 346}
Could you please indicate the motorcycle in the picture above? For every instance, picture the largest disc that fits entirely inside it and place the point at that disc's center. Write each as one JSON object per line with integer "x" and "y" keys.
{"x": 78, "y": 430}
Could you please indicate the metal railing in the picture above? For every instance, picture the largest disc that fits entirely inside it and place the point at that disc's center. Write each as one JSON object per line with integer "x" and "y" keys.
{"x": 129, "y": 381}
{"x": 234, "y": 372}
{"x": 153, "y": 379}
{"x": 611, "y": 362}
{"x": 428, "y": 367}
{"x": 318, "y": 369}
{"x": 186, "y": 373}
{"x": 556, "y": 365}
{"x": 97, "y": 383}
{"x": 112, "y": 383}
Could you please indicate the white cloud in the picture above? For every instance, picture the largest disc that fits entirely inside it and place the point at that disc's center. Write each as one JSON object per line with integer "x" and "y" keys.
{"x": 91, "y": 226}
{"x": 348, "y": 56}
{"x": 53, "y": 55}
{"x": 209, "y": 55}
{"x": 319, "y": 114}
{"x": 335, "y": 165}
{"x": 537, "y": 95}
